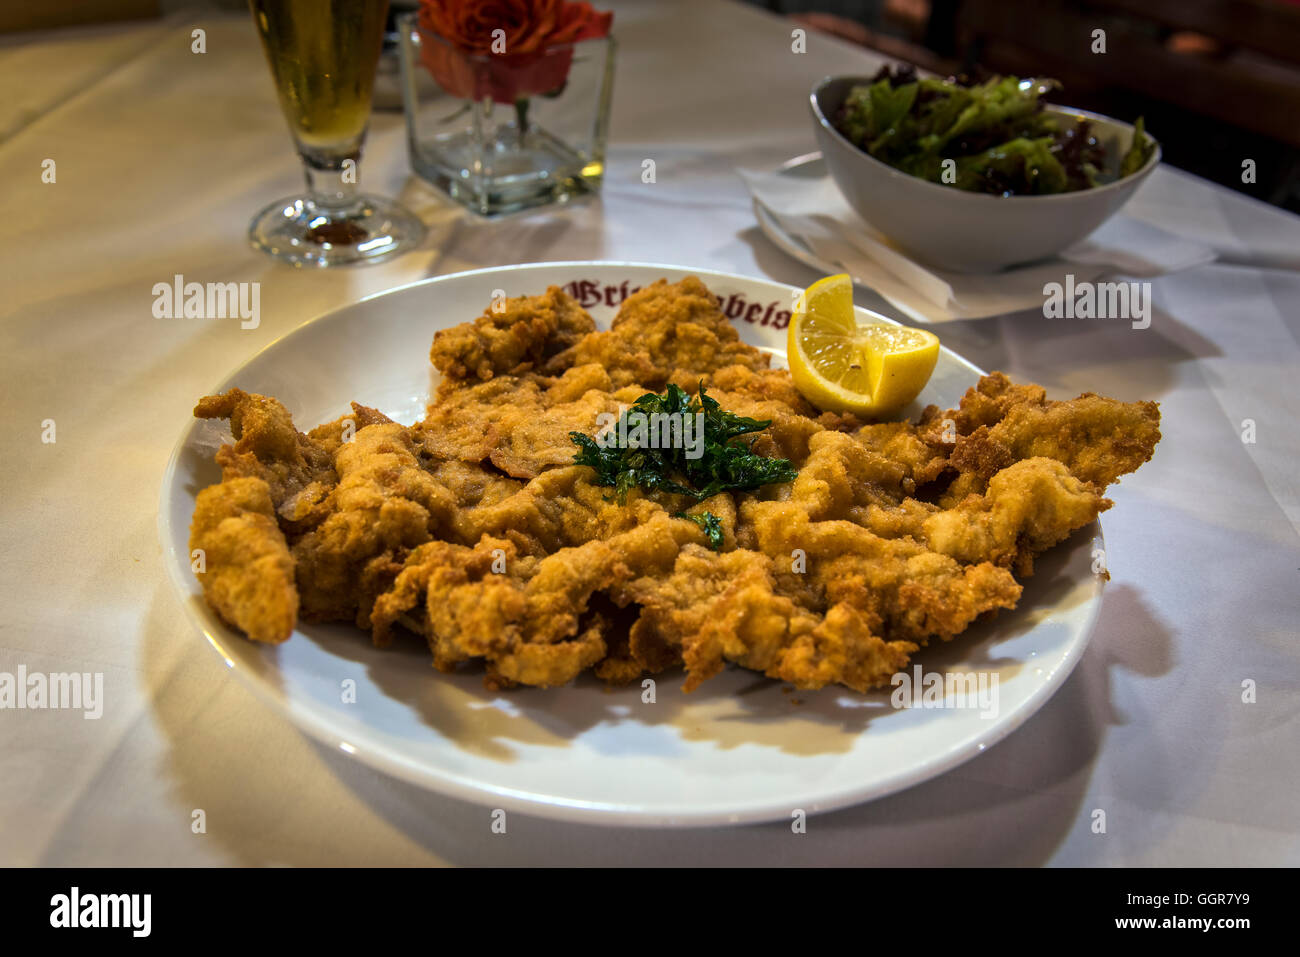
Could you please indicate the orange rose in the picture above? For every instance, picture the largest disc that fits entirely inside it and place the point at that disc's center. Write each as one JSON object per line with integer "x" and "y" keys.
{"x": 505, "y": 49}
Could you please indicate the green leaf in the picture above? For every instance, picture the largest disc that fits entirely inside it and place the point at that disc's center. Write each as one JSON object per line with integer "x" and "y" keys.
{"x": 727, "y": 463}
{"x": 711, "y": 525}
{"x": 1139, "y": 151}
{"x": 1024, "y": 161}
{"x": 997, "y": 132}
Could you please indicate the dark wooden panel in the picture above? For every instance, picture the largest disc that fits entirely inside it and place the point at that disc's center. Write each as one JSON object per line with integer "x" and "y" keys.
{"x": 1265, "y": 101}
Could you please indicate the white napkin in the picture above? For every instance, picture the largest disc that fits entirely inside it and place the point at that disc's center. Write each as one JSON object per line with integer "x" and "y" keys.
{"x": 813, "y": 211}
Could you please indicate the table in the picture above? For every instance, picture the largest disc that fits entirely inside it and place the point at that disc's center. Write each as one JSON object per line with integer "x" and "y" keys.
{"x": 162, "y": 157}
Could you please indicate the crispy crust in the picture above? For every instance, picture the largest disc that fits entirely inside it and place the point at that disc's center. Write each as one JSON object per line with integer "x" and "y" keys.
{"x": 474, "y": 528}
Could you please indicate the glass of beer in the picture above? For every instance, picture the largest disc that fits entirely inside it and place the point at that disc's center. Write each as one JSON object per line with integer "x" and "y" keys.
{"x": 323, "y": 55}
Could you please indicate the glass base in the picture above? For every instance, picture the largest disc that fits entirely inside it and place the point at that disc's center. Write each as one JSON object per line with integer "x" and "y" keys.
{"x": 538, "y": 172}
{"x": 300, "y": 231}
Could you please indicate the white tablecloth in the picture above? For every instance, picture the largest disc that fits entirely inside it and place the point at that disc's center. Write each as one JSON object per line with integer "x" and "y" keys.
{"x": 162, "y": 157}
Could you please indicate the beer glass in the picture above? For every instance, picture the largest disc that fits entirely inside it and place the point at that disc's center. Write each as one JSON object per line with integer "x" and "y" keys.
{"x": 323, "y": 55}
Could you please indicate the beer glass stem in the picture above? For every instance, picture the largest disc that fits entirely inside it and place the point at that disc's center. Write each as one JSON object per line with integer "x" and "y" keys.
{"x": 332, "y": 183}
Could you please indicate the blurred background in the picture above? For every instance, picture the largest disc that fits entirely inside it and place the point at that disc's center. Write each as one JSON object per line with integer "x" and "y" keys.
{"x": 1217, "y": 80}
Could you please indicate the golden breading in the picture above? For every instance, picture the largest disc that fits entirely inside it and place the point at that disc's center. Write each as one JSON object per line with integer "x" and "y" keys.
{"x": 1029, "y": 507}
{"x": 244, "y": 563}
{"x": 475, "y": 529}
{"x": 267, "y": 445}
{"x": 1098, "y": 439}
{"x": 667, "y": 332}
{"x": 718, "y": 607}
{"x": 902, "y": 442}
{"x": 521, "y": 424}
{"x": 384, "y": 505}
{"x": 913, "y": 592}
{"x": 998, "y": 423}
{"x": 526, "y": 616}
{"x": 513, "y": 337}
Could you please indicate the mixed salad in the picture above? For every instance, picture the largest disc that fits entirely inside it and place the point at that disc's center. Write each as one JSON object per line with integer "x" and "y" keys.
{"x": 989, "y": 137}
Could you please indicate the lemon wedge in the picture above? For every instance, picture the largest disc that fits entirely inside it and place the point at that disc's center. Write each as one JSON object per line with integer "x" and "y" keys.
{"x": 843, "y": 364}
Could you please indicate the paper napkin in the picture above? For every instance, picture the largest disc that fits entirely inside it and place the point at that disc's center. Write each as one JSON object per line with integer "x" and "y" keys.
{"x": 812, "y": 211}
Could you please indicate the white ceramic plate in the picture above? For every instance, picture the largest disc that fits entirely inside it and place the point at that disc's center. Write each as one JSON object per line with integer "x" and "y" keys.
{"x": 741, "y": 748}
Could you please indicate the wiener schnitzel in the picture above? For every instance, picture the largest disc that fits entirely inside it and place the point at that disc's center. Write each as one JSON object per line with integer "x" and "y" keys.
{"x": 822, "y": 550}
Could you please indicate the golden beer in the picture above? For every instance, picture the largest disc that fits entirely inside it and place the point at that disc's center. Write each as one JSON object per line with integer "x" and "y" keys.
{"x": 323, "y": 55}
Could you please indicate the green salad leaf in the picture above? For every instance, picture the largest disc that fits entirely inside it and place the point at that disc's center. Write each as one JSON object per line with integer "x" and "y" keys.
{"x": 990, "y": 137}
{"x": 1139, "y": 151}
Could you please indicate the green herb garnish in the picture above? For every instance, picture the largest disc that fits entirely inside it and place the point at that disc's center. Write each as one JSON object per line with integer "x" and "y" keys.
{"x": 695, "y": 461}
{"x": 710, "y": 523}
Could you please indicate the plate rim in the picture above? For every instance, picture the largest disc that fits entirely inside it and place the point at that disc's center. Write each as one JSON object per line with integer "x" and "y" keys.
{"x": 380, "y": 757}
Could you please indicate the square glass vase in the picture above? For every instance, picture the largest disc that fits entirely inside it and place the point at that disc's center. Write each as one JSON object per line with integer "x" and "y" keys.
{"x": 504, "y": 133}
